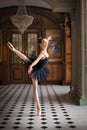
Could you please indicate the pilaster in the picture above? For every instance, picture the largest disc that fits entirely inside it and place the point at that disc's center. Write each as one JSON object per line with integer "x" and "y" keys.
{"x": 83, "y": 100}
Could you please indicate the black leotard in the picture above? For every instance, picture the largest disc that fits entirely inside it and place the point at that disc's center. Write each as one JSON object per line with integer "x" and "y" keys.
{"x": 40, "y": 70}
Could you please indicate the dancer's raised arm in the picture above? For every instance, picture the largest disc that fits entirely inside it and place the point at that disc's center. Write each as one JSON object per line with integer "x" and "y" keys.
{"x": 18, "y": 53}
{"x": 49, "y": 38}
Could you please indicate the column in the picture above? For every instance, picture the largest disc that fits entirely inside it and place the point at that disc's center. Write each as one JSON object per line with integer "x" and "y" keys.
{"x": 83, "y": 100}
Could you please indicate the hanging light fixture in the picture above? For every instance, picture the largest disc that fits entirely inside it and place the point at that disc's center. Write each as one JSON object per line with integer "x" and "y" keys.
{"x": 22, "y": 20}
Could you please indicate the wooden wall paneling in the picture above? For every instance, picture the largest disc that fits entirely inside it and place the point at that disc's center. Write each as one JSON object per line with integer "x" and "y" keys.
{"x": 5, "y": 78}
{"x": 44, "y": 19}
{"x": 67, "y": 68}
{"x": 17, "y": 74}
{"x": 55, "y": 73}
{"x": 1, "y": 44}
{"x": 1, "y": 73}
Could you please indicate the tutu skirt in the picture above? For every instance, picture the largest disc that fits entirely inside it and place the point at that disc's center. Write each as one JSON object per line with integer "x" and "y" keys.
{"x": 40, "y": 70}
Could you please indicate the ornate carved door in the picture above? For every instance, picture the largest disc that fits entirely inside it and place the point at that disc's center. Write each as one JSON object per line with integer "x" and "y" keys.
{"x": 26, "y": 43}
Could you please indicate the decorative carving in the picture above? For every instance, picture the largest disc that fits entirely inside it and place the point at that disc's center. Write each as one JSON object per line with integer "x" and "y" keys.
{"x": 68, "y": 25}
{"x": 72, "y": 15}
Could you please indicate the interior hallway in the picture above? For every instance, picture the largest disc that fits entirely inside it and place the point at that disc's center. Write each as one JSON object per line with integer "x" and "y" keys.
{"x": 59, "y": 111}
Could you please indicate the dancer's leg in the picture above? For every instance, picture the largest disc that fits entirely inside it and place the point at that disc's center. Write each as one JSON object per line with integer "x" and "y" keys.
{"x": 18, "y": 53}
{"x": 35, "y": 92}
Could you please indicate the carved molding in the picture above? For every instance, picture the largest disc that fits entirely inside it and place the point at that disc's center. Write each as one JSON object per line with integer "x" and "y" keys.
{"x": 54, "y": 5}
{"x": 51, "y": 3}
{"x": 72, "y": 14}
{"x": 61, "y": 6}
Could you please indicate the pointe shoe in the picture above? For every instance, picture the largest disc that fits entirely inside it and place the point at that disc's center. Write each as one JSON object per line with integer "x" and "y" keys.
{"x": 38, "y": 111}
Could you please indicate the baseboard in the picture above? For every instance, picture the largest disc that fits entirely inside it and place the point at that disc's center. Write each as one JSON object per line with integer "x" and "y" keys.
{"x": 83, "y": 102}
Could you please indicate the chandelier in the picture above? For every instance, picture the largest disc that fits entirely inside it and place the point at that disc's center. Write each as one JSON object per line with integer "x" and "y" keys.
{"x": 22, "y": 20}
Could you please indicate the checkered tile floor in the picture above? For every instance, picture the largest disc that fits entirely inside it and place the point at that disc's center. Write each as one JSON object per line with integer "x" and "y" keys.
{"x": 18, "y": 109}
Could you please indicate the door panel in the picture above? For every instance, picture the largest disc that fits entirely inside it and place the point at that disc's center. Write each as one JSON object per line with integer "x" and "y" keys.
{"x": 27, "y": 44}
{"x": 55, "y": 73}
{"x": 16, "y": 64}
{"x": 32, "y": 43}
{"x": 17, "y": 42}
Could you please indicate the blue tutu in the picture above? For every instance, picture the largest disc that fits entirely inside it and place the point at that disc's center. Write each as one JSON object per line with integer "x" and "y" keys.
{"x": 40, "y": 70}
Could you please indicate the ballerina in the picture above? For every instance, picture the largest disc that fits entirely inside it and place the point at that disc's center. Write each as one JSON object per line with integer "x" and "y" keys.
{"x": 36, "y": 67}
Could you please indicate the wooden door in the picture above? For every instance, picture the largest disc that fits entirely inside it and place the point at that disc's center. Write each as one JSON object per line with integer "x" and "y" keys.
{"x": 26, "y": 43}
{"x": 30, "y": 47}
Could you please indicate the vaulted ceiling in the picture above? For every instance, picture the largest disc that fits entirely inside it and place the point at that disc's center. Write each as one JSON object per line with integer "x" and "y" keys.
{"x": 55, "y": 5}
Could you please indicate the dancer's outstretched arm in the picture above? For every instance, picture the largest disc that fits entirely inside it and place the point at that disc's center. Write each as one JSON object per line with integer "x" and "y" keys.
{"x": 18, "y": 53}
{"x": 49, "y": 38}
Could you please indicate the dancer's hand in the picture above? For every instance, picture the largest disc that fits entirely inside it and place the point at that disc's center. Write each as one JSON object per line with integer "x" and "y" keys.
{"x": 11, "y": 47}
{"x": 30, "y": 70}
{"x": 49, "y": 38}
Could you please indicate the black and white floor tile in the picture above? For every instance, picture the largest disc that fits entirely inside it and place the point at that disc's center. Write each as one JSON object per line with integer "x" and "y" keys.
{"x": 59, "y": 111}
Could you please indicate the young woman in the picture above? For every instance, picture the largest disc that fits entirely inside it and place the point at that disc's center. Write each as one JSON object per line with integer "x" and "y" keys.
{"x": 37, "y": 68}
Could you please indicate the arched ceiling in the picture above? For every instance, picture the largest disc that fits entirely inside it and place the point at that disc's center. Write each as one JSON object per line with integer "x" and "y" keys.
{"x": 55, "y": 5}
{"x": 36, "y": 3}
